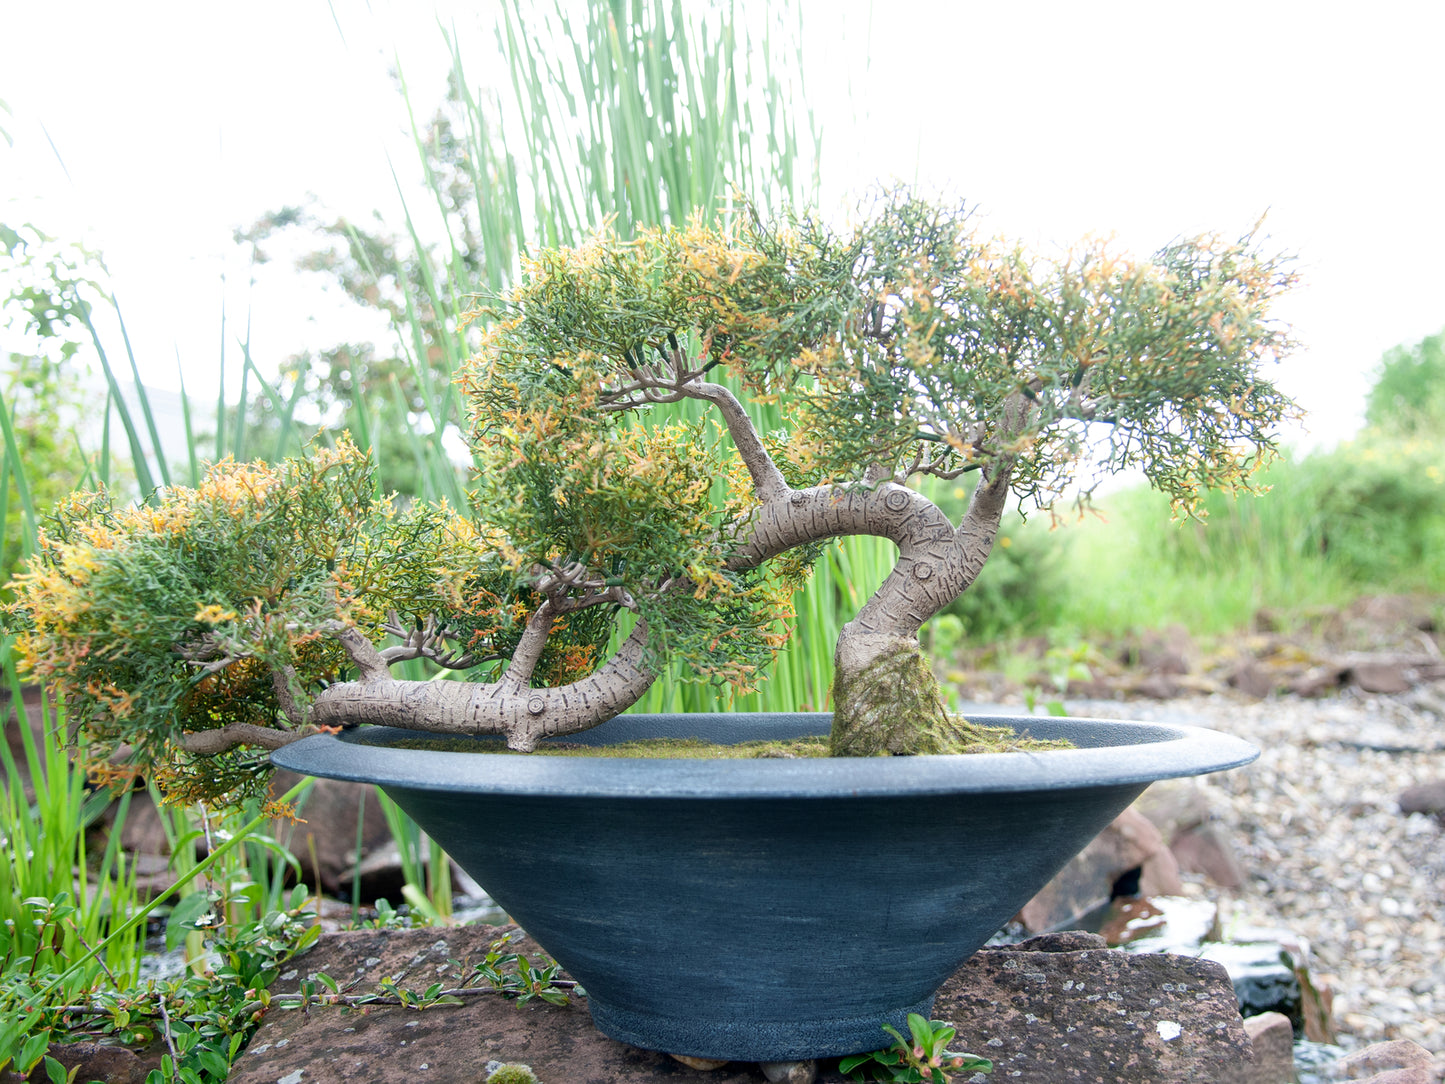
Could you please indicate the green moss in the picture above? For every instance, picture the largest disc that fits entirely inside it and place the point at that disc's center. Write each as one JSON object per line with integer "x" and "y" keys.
{"x": 653, "y": 748}
{"x": 513, "y": 1073}
{"x": 893, "y": 706}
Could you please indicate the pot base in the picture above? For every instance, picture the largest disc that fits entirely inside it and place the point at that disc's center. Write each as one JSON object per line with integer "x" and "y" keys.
{"x": 753, "y": 1040}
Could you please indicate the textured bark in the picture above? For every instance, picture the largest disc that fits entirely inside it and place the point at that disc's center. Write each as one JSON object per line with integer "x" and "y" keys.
{"x": 206, "y": 743}
{"x": 522, "y": 715}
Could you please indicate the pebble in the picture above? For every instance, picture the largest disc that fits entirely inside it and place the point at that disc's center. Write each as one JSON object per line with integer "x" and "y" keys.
{"x": 1328, "y": 852}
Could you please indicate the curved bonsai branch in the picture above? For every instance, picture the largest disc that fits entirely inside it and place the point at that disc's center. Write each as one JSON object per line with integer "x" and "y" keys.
{"x": 522, "y": 715}
{"x": 768, "y": 482}
{"x": 210, "y": 742}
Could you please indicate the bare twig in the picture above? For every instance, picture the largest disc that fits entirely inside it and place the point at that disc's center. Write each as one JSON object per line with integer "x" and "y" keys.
{"x": 208, "y": 743}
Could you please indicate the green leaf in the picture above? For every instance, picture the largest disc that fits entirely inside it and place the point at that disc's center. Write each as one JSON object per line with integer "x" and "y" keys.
{"x": 32, "y": 1050}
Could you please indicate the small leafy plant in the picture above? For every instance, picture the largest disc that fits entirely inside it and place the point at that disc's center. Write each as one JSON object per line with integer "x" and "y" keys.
{"x": 925, "y": 1058}
{"x": 204, "y": 1020}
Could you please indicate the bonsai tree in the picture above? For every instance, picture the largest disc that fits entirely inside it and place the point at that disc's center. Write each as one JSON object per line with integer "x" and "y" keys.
{"x": 208, "y": 625}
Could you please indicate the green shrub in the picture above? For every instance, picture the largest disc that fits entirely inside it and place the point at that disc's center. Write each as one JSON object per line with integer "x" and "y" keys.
{"x": 1408, "y": 396}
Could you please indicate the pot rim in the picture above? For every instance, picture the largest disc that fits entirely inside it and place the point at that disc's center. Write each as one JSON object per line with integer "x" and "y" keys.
{"x": 1110, "y": 753}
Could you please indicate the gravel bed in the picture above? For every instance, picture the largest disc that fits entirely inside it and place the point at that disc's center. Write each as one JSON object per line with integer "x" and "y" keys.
{"x": 1328, "y": 852}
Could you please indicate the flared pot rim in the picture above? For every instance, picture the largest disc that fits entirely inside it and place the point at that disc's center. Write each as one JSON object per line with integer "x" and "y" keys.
{"x": 1108, "y": 753}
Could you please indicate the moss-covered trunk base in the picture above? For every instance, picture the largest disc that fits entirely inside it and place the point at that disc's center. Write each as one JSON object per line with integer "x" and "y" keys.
{"x": 886, "y": 701}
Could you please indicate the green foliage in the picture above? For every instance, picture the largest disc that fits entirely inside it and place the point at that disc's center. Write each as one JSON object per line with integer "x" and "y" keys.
{"x": 912, "y": 330}
{"x": 517, "y": 977}
{"x": 1367, "y": 516}
{"x": 44, "y": 317}
{"x": 208, "y": 607}
{"x": 1408, "y": 395}
{"x": 923, "y": 1057}
{"x": 204, "y": 1019}
{"x": 45, "y": 835}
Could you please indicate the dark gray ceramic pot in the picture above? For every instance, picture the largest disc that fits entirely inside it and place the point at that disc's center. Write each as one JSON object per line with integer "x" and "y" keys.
{"x": 764, "y": 910}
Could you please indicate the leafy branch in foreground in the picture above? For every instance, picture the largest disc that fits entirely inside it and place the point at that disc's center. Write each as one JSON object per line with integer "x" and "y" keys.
{"x": 204, "y": 1020}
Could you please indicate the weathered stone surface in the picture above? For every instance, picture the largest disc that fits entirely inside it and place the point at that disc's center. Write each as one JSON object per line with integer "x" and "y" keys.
{"x": 1130, "y": 843}
{"x": 1271, "y": 1049}
{"x": 1397, "y": 1062}
{"x": 93, "y": 1061}
{"x": 1097, "y": 1016}
{"x": 1070, "y": 1015}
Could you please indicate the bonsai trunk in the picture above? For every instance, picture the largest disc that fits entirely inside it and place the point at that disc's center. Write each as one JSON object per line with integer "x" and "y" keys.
{"x": 886, "y": 699}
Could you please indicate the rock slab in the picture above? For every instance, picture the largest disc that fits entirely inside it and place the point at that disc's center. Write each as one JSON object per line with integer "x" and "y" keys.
{"x": 1060, "y": 1008}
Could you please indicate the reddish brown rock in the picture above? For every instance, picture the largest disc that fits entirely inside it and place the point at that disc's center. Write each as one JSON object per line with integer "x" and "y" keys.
{"x": 1186, "y": 813}
{"x": 1252, "y": 679}
{"x": 1271, "y": 1049}
{"x": 1158, "y": 686}
{"x": 1207, "y": 849}
{"x": 1382, "y": 677}
{"x": 94, "y": 1061}
{"x": 1130, "y": 843}
{"x": 1397, "y": 1062}
{"x": 1078, "y": 1014}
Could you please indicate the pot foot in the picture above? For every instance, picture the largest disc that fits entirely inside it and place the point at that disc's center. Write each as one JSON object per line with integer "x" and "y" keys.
{"x": 707, "y": 1065}
{"x": 781, "y": 1039}
{"x": 790, "y": 1072}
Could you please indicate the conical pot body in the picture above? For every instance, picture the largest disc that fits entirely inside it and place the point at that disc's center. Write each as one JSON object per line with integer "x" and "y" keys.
{"x": 766, "y": 909}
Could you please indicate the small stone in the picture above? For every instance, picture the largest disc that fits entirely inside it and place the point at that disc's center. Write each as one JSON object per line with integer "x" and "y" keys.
{"x": 1271, "y": 1048}
{"x": 706, "y": 1065}
{"x": 1398, "y": 1054}
{"x": 1382, "y": 677}
{"x": 790, "y": 1072}
{"x": 1424, "y": 798}
{"x": 1252, "y": 679}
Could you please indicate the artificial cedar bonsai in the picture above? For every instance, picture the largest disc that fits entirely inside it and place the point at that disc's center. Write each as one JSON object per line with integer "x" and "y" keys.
{"x": 209, "y": 625}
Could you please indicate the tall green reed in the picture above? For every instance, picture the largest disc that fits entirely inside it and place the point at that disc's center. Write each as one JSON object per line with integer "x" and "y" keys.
{"x": 45, "y": 857}
{"x": 644, "y": 112}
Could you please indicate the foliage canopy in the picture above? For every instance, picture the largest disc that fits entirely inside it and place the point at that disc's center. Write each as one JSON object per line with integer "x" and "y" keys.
{"x": 907, "y": 346}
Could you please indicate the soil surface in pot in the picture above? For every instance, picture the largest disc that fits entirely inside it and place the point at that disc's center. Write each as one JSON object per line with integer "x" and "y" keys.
{"x": 815, "y": 745}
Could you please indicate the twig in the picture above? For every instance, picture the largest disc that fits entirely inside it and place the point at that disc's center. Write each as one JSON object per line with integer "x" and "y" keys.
{"x": 354, "y": 1000}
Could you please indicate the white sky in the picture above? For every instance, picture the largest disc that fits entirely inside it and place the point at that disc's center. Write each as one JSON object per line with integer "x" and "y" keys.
{"x": 178, "y": 122}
